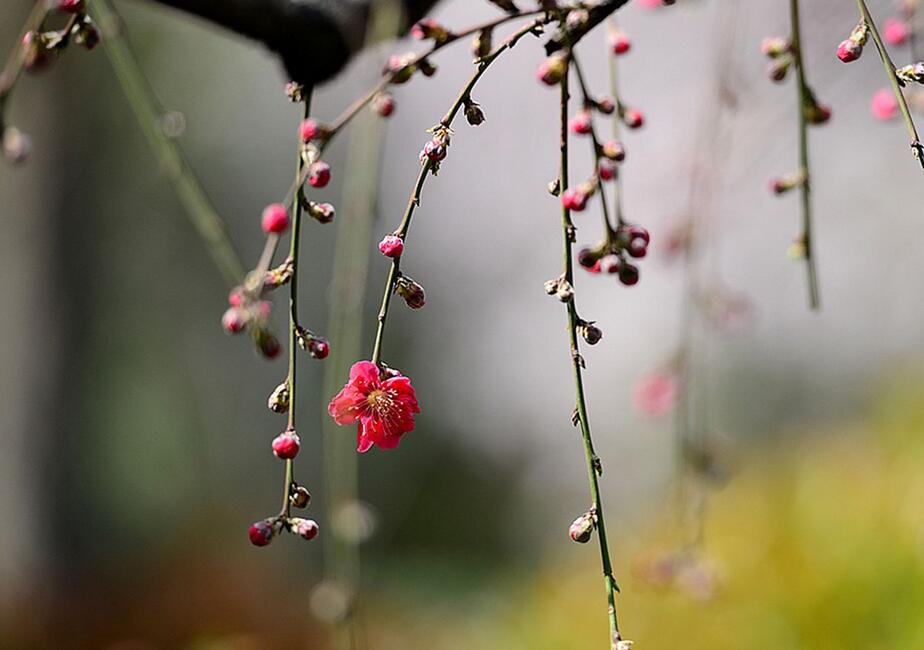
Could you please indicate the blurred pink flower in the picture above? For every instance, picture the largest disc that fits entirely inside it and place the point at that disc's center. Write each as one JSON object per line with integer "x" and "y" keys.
{"x": 895, "y": 32}
{"x": 655, "y": 394}
{"x": 884, "y": 105}
{"x": 649, "y": 4}
{"x": 384, "y": 409}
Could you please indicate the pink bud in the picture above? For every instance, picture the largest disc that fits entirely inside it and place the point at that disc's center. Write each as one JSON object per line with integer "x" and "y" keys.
{"x": 637, "y": 232}
{"x": 574, "y": 199}
{"x": 849, "y": 50}
{"x": 310, "y": 130}
{"x": 434, "y": 150}
{"x": 260, "y": 533}
{"x": 286, "y": 445}
{"x": 637, "y": 248}
{"x": 884, "y": 105}
{"x": 236, "y": 297}
{"x": 70, "y": 6}
{"x": 633, "y": 118}
{"x": 609, "y": 264}
{"x": 552, "y": 70}
{"x": 383, "y": 104}
{"x": 614, "y": 150}
{"x": 319, "y": 174}
{"x": 606, "y": 105}
{"x": 391, "y": 246}
{"x": 619, "y": 43}
{"x": 275, "y": 218}
{"x": 233, "y": 320}
{"x": 582, "y": 123}
{"x": 267, "y": 344}
{"x": 895, "y": 32}
{"x": 606, "y": 169}
{"x": 323, "y": 212}
{"x": 586, "y": 257}
{"x": 304, "y": 528}
{"x": 318, "y": 347}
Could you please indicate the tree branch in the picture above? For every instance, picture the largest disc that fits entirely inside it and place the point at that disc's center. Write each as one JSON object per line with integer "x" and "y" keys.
{"x": 314, "y": 38}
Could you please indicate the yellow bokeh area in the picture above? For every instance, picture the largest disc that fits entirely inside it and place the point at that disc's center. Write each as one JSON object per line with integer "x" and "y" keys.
{"x": 817, "y": 542}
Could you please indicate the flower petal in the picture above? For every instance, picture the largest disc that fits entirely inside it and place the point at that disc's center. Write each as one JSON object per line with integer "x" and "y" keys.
{"x": 347, "y": 406}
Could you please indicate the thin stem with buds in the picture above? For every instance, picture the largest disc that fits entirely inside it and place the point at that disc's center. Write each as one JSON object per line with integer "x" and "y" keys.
{"x": 805, "y": 188}
{"x": 12, "y": 69}
{"x": 894, "y": 81}
{"x": 593, "y": 462}
{"x": 425, "y": 169}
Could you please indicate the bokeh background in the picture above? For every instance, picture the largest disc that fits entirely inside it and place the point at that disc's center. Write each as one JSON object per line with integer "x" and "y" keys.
{"x": 134, "y": 438}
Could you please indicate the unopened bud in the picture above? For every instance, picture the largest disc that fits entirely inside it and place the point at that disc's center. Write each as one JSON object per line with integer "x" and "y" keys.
{"x": 564, "y": 291}
{"x": 267, "y": 344}
{"x": 304, "y": 528}
{"x": 775, "y": 46}
{"x": 428, "y": 28}
{"x": 582, "y": 528}
{"x": 280, "y": 275}
{"x": 286, "y": 445}
{"x": 17, "y": 146}
{"x": 473, "y": 112}
{"x": 383, "y": 104}
{"x": 911, "y": 73}
{"x": 590, "y": 332}
{"x": 481, "y": 46}
{"x": 614, "y": 150}
{"x": 553, "y": 69}
{"x": 261, "y": 533}
{"x": 779, "y": 68}
{"x": 295, "y": 91}
{"x": 322, "y": 212}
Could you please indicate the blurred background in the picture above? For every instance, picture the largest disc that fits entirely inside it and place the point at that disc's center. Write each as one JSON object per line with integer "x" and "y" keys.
{"x": 134, "y": 438}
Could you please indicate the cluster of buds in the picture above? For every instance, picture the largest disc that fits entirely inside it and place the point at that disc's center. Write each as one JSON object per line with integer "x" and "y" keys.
{"x": 247, "y": 311}
{"x": 436, "y": 148}
{"x": 610, "y": 256}
{"x": 401, "y": 67}
{"x": 779, "y": 51}
{"x": 264, "y": 531}
{"x": 317, "y": 346}
{"x": 851, "y": 47}
{"x": 412, "y": 292}
{"x": 428, "y": 28}
{"x": 581, "y": 529}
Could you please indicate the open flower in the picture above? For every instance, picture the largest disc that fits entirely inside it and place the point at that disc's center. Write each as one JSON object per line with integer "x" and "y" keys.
{"x": 384, "y": 408}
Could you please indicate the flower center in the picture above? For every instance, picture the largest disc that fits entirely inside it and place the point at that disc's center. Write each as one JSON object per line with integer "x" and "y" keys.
{"x": 379, "y": 401}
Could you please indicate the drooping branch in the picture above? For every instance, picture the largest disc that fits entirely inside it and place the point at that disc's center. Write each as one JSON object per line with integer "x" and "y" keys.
{"x": 314, "y": 38}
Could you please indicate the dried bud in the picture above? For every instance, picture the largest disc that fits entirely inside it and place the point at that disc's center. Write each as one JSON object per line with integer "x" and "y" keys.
{"x": 911, "y": 73}
{"x": 481, "y": 46}
{"x": 429, "y": 28}
{"x": 383, "y": 104}
{"x": 322, "y": 212}
{"x": 582, "y": 123}
{"x": 275, "y": 218}
{"x": 582, "y": 528}
{"x": 295, "y": 91}
{"x": 87, "y": 35}
{"x": 304, "y": 528}
{"x": 286, "y": 445}
{"x": 411, "y": 291}
{"x": 278, "y": 401}
{"x": 426, "y": 68}
{"x": 553, "y": 69}
{"x": 554, "y": 187}
{"x": 473, "y": 112}
{"x": 299, "y": 496}
{"x": 564, "y": 291}
{"x": 551, "y": 286}
{"x": 279, "y": 276}
{"x": 17, "y": 146}
{"x": 319, "y": 174}
{"x": 590, "y": 332}
{"x": 261, "y": 533}
{"x": 391, "y": 246}
{"x": 614, "y": 150}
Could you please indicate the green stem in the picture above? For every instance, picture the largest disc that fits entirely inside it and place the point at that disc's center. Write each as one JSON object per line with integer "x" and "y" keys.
{"x": 893, "y": 81}
{"x": 414, "y": 200}
{"x": 805, "y": 189}
{"x": 590, "y": 456}
{"x": 147, "y": 109}
{"x": 617, "y": 182}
